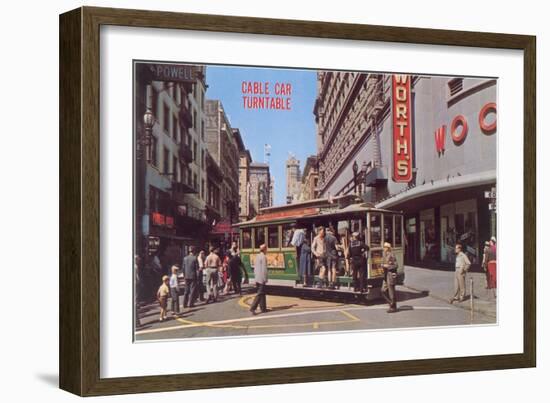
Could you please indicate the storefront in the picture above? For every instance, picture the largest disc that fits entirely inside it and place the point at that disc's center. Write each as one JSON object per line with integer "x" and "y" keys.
{"x": 449, "y": 193}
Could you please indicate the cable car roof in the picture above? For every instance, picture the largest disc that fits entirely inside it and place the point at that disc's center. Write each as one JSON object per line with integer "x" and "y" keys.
{"x": 321, "y": 208}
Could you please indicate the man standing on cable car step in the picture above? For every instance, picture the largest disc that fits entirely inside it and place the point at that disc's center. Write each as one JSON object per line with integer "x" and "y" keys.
{"x": 260, "y": 277}
{"x": 358, "y": 256}
{"x": 319, "y": 250}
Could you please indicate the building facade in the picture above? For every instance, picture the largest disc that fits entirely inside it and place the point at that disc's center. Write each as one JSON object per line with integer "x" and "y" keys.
{"x": 246, "y": 210}
{"x": 169, "y": 199}
{"x": 423, "y": 145}
{"x": 224, "y": 150}
{"x": 261, "y": 186}
{"x": 310, "y": 179}
{"x": 293, "y": 179}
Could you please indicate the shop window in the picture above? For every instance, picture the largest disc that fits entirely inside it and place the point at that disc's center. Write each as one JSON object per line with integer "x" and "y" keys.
{"x": 388, "y": 228}
{"x": 375, "y": 229}
{"x": 246, "y": 238}
{"x": 398, "y": 231}
{"x": 273, "y": 237}
{"x": 259, "y": 237}
{"x": 428, "y": 243}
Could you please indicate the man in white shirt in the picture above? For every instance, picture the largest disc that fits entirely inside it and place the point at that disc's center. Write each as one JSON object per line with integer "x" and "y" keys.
{"x": 462, "y": 265}
{"x": 260, "y": 277}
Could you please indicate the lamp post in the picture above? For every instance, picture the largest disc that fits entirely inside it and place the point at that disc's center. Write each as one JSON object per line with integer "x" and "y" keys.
{"x": 148, "y": 122}
{"x": 143, "y": 157}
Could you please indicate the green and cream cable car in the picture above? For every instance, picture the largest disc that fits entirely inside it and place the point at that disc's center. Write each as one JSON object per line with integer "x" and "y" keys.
{"x": 275, "y": 227}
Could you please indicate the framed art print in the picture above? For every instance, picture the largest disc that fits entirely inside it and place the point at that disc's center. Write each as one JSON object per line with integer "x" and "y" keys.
{"x": 312, "y": 201}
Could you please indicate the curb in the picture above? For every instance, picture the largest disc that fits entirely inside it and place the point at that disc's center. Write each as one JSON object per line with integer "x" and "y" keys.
{"x": 477, "y": 308}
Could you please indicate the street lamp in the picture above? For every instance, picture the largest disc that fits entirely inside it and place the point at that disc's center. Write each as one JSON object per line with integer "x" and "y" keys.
{"x": 148, "y": 121}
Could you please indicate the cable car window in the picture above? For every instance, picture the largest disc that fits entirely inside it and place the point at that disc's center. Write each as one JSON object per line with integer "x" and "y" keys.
{"x": 247, "y": 238}
{"x": 259, "y": 237}
{"x": 288, "y": 232}
{"x": 375, "y": 228}
{"x": 388, "y": 228}
{"x": 398, "y": 234}
{"x": 273, "y": 237}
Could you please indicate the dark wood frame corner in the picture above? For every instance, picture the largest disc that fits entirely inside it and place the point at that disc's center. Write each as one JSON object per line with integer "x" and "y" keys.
{"x": 79, "y": 349}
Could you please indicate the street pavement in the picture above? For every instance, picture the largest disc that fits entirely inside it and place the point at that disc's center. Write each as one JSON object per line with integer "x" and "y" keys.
{"x": 422, "y": 302}
{"x": 440, "y": 285}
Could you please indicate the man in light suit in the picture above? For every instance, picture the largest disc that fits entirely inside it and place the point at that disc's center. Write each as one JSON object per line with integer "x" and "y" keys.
{"x": 260, "y": 277}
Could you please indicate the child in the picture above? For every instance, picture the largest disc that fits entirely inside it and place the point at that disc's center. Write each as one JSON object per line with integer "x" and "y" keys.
{"x": 162, "y": 297}
{"x": 175, "y": 290}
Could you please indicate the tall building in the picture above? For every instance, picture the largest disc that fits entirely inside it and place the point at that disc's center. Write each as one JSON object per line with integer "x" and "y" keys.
{"x": 422, "y": 145}
{"x": 246, "y": 210}
{"x": 170, "y": 200}
{"x": 310, "y": 178}
{"x": 293, "y": 179}
{"x": 224, "y": 150}
{"x": 261, "y": 186}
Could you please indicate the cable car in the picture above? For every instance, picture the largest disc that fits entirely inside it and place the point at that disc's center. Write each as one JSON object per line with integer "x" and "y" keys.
{"x": 347, "y": 214}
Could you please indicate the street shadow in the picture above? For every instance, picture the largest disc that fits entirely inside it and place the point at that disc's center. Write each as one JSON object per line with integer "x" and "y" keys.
{"x": 282, "y": 308}
{"x": 411, "y": 295}
{"x": 49, "y": 379}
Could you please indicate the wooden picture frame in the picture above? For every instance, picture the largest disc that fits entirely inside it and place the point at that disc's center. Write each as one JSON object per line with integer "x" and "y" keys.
{"x": 79, "y": 348}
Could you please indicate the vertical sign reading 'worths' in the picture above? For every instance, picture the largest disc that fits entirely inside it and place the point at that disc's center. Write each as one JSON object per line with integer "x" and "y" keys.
{"x": 402, "y": 139}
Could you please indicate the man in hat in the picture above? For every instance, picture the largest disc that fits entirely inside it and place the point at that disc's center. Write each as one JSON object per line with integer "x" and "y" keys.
{"x": 358, "y": 257}
{"x": 389, "y": 264}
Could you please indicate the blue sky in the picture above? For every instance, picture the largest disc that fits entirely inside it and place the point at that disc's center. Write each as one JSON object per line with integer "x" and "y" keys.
{"x": 286, "y": 131}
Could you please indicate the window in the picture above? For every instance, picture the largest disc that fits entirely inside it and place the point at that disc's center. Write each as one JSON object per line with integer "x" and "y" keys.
{"x": 273, "y": 237}
{"x": 195, "y": 120}
{"x": 202, "y": 189}
{"x": 195, "y": 181}
{"x": 174, "y": 168}
{"x": 155, "y": 102}
{"x": 194, "y": 150}
{"x": 398, "y": 234}
{"x": 165, "y": 161}
{"x": 174, "y": 128}
{"x": 202, "y": 131}
{"x": 246, "y": 238}
{"x": 166, "y": 118}
{"x": 288, "y": 232}
{"x": 455, "y": 86}
{"x": 259, "y": 237}
{"x": 375, "y": 230}
{"x": 154, "y": 151}
{"x": 388, "y": 228}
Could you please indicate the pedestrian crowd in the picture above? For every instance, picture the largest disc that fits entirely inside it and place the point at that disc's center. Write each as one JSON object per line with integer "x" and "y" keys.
{"x": 200, "y": 277}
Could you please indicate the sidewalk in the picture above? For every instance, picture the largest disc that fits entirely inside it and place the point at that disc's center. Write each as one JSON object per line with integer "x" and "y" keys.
{"x": 440, "y": 285}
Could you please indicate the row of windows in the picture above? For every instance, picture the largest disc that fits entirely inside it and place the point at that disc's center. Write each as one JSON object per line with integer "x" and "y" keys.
{"x": 382, "y": 228}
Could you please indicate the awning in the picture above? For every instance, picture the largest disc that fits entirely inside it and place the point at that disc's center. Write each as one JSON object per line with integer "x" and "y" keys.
{"x": 442, "y": 185}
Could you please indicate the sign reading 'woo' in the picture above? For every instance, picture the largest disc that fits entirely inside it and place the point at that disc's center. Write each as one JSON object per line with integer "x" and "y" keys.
{"x": 402, "y": 141}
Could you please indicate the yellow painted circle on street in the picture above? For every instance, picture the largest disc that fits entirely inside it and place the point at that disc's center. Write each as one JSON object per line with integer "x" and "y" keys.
{"x": 277, "y": 302}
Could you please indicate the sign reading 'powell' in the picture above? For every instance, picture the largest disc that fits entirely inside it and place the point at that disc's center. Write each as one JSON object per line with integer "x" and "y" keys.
{"x": 180, "y": 73}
